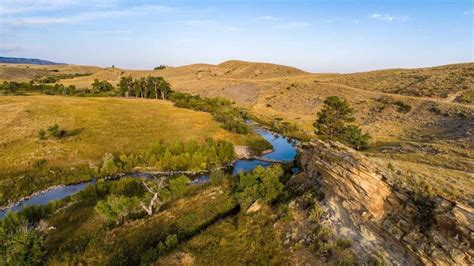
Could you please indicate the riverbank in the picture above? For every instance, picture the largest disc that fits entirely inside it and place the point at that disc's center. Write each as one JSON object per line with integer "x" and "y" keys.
{"x": 282, "y": 151}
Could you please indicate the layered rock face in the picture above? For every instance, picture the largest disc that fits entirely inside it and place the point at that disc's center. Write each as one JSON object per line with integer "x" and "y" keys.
{"x": 382, "y": 222}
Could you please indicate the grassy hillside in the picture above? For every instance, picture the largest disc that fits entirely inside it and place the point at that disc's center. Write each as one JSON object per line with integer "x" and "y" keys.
{"x": 446, "y": 82}
{"x": 25, "y": 73}
{"x": 425, "y": 141}
{"x": 94, "y": 127}
{"x": 434, "y": 132}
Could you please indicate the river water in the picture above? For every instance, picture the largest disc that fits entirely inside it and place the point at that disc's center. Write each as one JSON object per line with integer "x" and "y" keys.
{"x": 283, "y": 150}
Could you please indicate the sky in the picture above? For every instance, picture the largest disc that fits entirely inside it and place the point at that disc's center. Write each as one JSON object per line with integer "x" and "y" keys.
{"x": 317, "y": 36}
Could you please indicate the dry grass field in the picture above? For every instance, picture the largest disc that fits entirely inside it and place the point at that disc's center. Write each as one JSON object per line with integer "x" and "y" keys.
{"x": 433, "y": 140}
{"x": 95, "y": 126}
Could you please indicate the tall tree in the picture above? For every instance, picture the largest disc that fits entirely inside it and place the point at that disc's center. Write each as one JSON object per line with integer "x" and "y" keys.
{"x": 333, "y": 117}
{"x": 334, "y": 120}
{"x": 125, "y": 85}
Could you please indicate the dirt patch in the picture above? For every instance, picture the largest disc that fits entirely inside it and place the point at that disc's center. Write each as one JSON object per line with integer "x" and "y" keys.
{"x": 178, "y": 258}
{"x": 242, "y": 152}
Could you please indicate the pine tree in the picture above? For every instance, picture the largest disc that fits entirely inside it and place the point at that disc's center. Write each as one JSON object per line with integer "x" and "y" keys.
{"x": 333, "y": 124}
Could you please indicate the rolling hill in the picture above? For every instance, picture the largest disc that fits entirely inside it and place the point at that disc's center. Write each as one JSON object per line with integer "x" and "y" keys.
{"x": 421, "y": 120}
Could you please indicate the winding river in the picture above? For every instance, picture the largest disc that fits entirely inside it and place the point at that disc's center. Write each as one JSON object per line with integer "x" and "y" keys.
{"x": 283, "y": 150}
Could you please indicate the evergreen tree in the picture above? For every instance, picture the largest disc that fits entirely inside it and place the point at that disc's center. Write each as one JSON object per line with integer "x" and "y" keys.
{"x": 333, "y": 124}
{"x": 333, "y": 117}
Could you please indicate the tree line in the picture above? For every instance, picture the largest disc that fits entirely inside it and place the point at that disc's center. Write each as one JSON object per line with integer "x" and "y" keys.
{"x": 173, "y": 156}
{"x": 56, "y": 78}
{"x": 222, "y": 110}
{"x": 149, "y": 87}
{"x": 14, "y": 87}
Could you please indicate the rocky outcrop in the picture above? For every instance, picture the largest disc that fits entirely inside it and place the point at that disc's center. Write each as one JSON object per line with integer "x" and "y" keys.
{"x": 384, "y": 223}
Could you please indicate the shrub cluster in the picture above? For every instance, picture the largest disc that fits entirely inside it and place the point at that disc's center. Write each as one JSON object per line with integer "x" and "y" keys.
{"x": 21, "y": 243}
{"x": 174, "y": 156}
{"x": 323, "y": 242}
{"x": 221, "y": 110}
{"x": 19, "y": 87}
{"x": 403, "y": 107}
{"x": 190, "y": 155}
{"x": 99, "y": 88}
{"x": 159, "y": 67}
{"x": 54, "y": 131}
{"x": 55, "y": 78}
{"x": 261, "y": 184}
{"x": 383, "y": 102}
{"x": 162, "y": 248}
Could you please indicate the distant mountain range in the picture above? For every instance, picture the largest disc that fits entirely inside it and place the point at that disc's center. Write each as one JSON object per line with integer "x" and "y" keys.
{"x": 16, "y": 60}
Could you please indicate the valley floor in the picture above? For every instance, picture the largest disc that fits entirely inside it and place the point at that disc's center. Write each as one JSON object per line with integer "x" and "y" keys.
{"x": 93, "y": 128}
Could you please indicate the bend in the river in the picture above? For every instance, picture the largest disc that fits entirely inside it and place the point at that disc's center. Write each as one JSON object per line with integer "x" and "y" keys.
{"x": 283, "y": 150}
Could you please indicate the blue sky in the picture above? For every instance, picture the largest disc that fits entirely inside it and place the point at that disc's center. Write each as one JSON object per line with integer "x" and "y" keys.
{"x": 318, "y": 36}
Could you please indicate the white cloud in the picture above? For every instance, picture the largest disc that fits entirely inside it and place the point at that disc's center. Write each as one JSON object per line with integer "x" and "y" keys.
{"x": 469, "y": 12}
{"x": 268, "y": 18}
{"x": 388, "y": 17}
{"x": 29, "y": 6}
{"x": 85, "y": 16}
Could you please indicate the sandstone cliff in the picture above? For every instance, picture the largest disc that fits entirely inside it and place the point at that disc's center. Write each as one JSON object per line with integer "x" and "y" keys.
{"x": 382, "y": 221}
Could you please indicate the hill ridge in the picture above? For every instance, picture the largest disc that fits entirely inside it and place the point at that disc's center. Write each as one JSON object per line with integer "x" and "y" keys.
{"x": 32, "y": 61}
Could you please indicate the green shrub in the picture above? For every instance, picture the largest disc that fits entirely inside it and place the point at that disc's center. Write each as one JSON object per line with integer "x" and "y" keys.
{"x": 321, "y": 240}
{"x": 171, "y": 241}
{"x": 343, "y": 243}
{"x": 109, "y": 165}
{"x": 101, "y": 86}
{"x": 316, "y": 212}
{"x": 403, "y": 107}
{"x": 354, "y": 136}
{"x": 56, "y": 132}
{"x": 116, "y": 208}
{"x": 21, "y": 243}
{"x": 261, "y": 184}
{"x": 179, "y": 186}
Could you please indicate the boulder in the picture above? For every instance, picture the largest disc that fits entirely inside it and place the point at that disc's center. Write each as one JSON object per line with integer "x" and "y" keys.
{"x": 255, "y": 207}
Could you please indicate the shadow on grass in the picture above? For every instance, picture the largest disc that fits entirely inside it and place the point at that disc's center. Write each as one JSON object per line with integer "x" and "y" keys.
{"x": 73, "y": 132}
